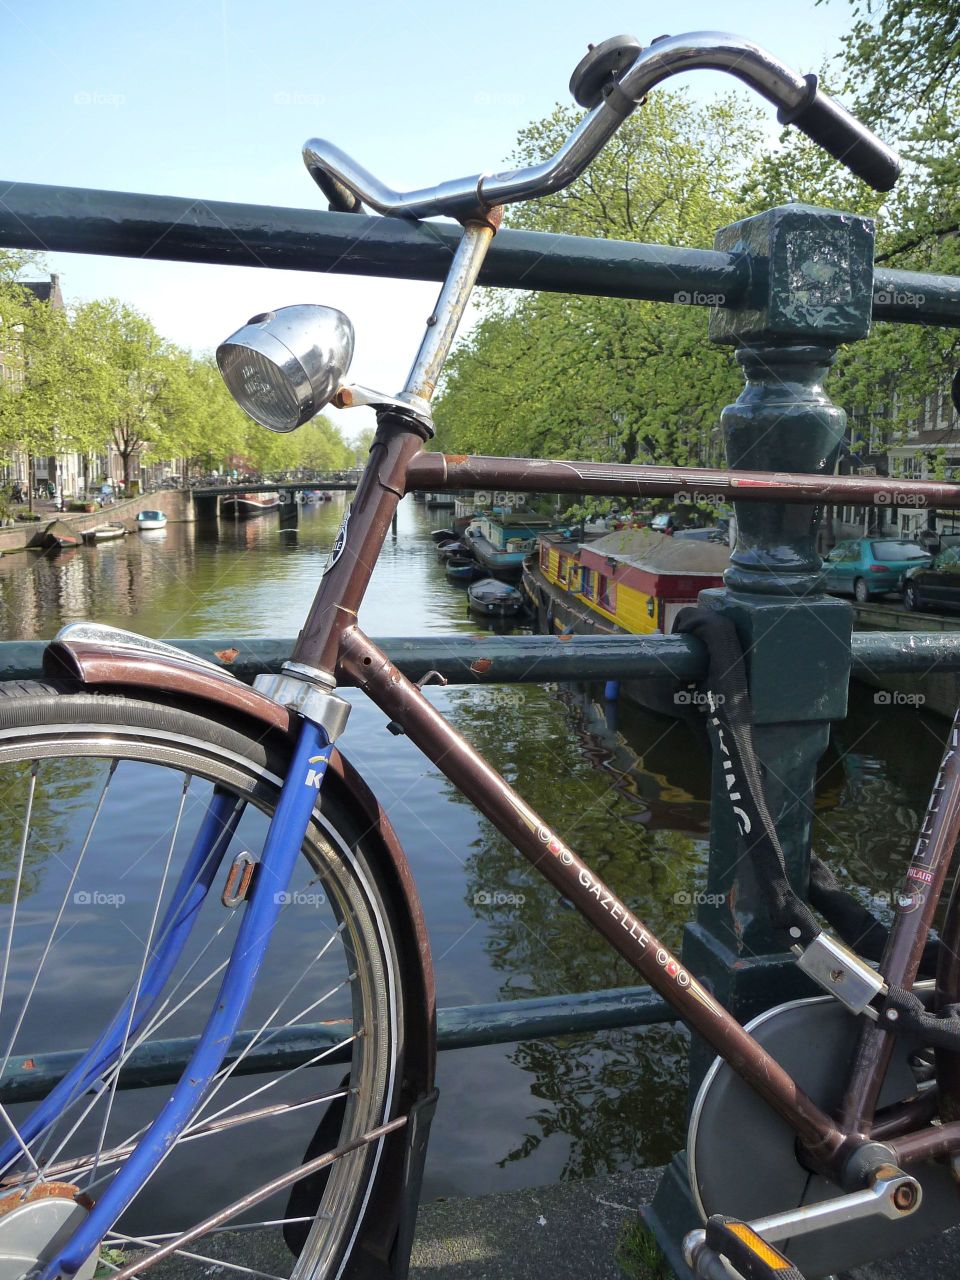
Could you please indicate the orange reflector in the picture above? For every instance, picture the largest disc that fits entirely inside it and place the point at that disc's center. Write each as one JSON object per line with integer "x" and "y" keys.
{"x": 765, "y": 1252}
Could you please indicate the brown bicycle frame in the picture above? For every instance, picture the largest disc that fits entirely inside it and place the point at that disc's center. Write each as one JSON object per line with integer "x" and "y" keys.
{"x": 332, "y": 642}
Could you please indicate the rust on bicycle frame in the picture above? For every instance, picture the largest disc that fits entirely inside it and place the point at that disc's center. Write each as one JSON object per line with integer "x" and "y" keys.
{"x": 371, "y": 670}
{"x": 625, "y": 480}
{"x": 358, "y": 544}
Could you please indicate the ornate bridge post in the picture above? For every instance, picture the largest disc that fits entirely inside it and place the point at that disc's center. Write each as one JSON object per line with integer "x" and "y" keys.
{"x": 812, "y": 281}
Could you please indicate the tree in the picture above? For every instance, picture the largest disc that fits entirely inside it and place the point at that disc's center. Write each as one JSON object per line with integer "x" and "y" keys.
{"x": 899, "y": 71}
{"x": 42, "y": 407}
{"x": 545, "y": 374}
{"x": 129, "y": 376}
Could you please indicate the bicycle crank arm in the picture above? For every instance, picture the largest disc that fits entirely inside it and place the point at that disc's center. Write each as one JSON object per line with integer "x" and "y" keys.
{"x": 726, "y": 1243}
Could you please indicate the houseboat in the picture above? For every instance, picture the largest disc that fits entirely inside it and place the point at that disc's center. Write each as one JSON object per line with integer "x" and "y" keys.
{"x": 243, "y": 506}
{"x": 435, "y": 501}
{"x": 499, "y": 543}
{"x": 471, "y": 506}
{"x": 631, "y": 581}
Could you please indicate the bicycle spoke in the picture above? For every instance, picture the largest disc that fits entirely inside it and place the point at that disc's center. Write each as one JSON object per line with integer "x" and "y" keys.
{"x": 59, "y": 916}
{"x": 18, "y": 881}
{"x": 146, "y": 955}
{"x": 67, "y": 1170}
{"x": 262, "y": 1193}
{"x": 198, "y": 1257}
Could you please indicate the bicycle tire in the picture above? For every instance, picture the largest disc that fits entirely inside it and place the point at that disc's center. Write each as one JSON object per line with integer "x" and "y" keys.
{"x": 44, "y": 721}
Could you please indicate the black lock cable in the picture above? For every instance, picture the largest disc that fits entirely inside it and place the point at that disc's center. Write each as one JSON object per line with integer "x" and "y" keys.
{"x": 730, "y": 724}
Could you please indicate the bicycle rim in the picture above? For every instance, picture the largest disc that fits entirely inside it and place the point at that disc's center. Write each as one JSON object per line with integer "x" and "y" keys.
{"x": 101, "y": 799}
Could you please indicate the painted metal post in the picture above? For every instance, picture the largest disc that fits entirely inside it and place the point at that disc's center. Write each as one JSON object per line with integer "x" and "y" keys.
{"x": 813, "y": 283}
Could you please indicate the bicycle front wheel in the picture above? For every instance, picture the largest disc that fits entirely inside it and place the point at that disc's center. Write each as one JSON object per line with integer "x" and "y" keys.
{"x": 104, "y": 800}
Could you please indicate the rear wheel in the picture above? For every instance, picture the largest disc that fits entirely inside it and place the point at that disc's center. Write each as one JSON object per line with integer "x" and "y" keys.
{"x": 860, "y": 591}
{"x": 910, "y": 596}
{"x": 102, "y": 798}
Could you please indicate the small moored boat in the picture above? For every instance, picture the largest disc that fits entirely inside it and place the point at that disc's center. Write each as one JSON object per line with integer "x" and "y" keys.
{"x": 104, "y": 533}
{"x": 245, "y": 505}
{"x": 443, "y": 535}
{"x": 453, "y": 548}
{"x": 59, "y": 534}
{"x": 492, "y": 598}
{"x": 151, "y": 520}
{"x": 461, "y": 569}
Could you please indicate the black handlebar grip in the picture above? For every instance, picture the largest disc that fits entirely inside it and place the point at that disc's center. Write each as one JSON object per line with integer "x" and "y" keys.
{"x": 844, "y": 137}
{"x": 341, "y": 198}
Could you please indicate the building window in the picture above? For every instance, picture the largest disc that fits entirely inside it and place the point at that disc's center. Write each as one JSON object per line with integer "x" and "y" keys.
{"x": 544, "y": 557}
{"x": 606, "y": 593}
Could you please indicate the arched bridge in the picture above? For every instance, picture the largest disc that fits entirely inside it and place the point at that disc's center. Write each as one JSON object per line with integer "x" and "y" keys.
{"x": 206, "y": 498}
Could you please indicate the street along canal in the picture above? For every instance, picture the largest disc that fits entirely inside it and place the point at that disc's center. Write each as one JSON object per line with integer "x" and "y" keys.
{"x": 624, "y": 787}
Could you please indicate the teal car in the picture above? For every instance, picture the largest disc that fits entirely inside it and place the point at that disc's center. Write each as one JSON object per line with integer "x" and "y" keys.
{"x": 867, "y": 567}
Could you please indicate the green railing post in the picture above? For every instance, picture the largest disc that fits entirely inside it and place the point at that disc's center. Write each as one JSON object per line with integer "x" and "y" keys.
{"x": 813, "y": 273}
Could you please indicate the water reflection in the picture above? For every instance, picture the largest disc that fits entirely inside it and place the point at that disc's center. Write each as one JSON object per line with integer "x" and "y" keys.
{"x": 629, "y": 790}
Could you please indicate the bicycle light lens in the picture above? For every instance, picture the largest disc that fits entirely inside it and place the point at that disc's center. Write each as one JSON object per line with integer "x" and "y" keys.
{"x": 283, "y": 366}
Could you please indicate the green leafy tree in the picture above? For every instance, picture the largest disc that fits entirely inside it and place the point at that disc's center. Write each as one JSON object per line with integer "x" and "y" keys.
{"x": 545, "y": 374}
{"x": 129, "y": 376}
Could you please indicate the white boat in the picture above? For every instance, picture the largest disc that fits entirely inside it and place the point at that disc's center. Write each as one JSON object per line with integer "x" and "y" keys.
{"x": 151, "y": 520}
{"x": 104, "y": 533}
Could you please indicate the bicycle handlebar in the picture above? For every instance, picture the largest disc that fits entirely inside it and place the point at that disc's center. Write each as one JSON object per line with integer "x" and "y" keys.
{"x": 798, "y": 99}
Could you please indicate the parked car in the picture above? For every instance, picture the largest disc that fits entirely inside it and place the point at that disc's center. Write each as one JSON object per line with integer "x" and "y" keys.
{"x": 867, "y": 567}
{"x": 719, "y": 532}
{"x": 937, "y": 585}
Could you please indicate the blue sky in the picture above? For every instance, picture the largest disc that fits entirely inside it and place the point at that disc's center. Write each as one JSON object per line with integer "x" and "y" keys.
{"x": 214, "y": 99}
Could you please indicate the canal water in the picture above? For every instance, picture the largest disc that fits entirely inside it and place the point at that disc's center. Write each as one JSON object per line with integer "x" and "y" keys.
{"x": 626, "y": 788}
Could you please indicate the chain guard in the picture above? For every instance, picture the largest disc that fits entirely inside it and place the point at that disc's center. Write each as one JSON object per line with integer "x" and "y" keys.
{"x": 742, "y": 1156}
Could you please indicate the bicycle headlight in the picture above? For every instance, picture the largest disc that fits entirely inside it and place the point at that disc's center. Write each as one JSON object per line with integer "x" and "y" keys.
{"x": 283, "y": 366}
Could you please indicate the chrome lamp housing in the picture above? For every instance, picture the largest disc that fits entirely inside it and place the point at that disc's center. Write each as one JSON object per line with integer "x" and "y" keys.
{"x": 283, "y": 366}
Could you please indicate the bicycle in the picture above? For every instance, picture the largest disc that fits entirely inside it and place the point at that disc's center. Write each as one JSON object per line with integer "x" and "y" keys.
{"x": 257, "y": 769}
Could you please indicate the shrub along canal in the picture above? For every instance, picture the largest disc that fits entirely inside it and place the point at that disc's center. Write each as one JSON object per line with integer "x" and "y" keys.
{"x": 626, "y": 788}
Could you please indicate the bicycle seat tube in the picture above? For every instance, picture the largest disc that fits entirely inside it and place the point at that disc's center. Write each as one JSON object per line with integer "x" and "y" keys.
{"x": 401, "y": 431}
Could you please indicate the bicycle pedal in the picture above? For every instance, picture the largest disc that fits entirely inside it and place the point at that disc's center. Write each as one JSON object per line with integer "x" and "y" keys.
{"x": 746, "y": 1251}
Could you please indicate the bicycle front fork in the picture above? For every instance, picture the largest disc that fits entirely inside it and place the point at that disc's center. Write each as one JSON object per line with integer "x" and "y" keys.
{"x": 280, "y": 853}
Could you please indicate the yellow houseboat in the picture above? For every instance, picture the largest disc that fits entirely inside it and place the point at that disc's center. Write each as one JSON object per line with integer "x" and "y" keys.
{"x": 632, "y": 580}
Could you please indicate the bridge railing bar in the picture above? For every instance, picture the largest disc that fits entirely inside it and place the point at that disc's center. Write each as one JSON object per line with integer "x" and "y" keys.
{"x": 29, "y": 1077}
{"x": 183, "y": 229}
{"x": 492, "y": 659}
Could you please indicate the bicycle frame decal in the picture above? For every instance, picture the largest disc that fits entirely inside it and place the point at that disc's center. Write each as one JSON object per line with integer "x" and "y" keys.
{"x": 340, "y": 542}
